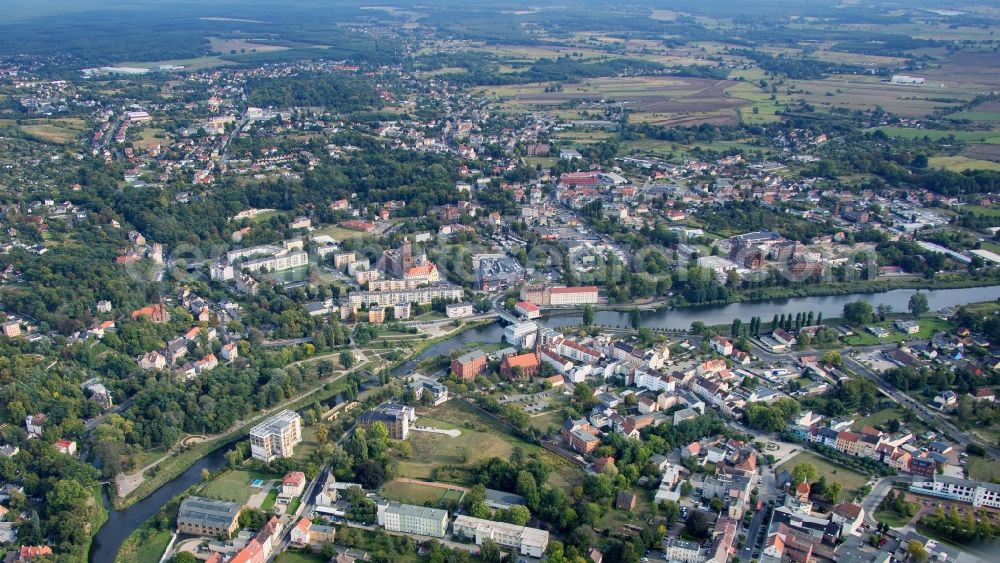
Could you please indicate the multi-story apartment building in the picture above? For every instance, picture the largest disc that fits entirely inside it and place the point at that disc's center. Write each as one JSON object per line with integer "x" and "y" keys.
{"x": 410, "y": 519}
{"x": 421, "y": 295}
{"x": 683, "y": 551}
{"x": 396, "y": 417}
{"x": 527, "y": 541}
{"x": 276, "y": 437}
{"x": 278, "y": 262}
{"x": 976, "y": 493}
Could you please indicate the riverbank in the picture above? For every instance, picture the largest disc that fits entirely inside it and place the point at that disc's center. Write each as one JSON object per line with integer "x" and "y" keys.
{"x": 196, "y": 455}
{"x": 819, "y": 290}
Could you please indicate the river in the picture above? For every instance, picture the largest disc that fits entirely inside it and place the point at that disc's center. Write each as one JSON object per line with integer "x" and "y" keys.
{"x": 121, "y": 523}
{"x": 831, "y": 306}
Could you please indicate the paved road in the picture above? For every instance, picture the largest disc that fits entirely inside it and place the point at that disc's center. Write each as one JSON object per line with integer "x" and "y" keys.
{"x": 923, "y": 412}
{"x": 879, "y": 492}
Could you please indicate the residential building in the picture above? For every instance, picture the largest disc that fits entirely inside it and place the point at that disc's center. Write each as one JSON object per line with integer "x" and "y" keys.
{"x": 276, "y": 437}
{"x": 722, "y": 345}
{"x": 429, "y": 389}
{"x": 34, "y": 424}
{"x": 849, "y": 515}
{"x": 458, "y": 310}
{"x": 469, "y": 365}
{"x": 306, "y": 533}
{"x": 293, "y": 484}
{"x": 976, "y": 493}
{"x": 67, "y": 447}
{"x": 207, "y": 517}
{"x": 11, "y": 329}
{"x": 531, "y": 542}
{"x": 422, "y": 295}
{"x": 682, "y": 551}
{"x": 395, "y": 416}
{"x": 410, "y": 519}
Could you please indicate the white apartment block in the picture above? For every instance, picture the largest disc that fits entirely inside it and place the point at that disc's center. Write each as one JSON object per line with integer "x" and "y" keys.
{"x": 276, "y": 263}
{"x": 682, "y": 551}
{"x": 276, "y": 437}
{"x": 976, "y": 493}
{"x": 411, "y": 519}
{"x": 528, "y": 541}
{"x": 418, "y": 295}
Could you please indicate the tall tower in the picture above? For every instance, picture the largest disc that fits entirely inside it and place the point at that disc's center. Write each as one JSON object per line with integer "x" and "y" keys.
{"x": 407, "y": 255}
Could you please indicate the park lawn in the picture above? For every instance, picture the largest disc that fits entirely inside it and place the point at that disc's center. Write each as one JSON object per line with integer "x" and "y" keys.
{"x": 960, "y": 163}
{"x": 482, "y": 438}
{"x": 412, "y": 493}
{"x": 234, "y": 485}
{"x": 850, "y": 480}
{"x": 982, "y": 468}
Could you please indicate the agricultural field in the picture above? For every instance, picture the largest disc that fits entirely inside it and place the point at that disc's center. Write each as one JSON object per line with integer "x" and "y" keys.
{"x": 481, "y": 438}
{"x": 960, "y": 163}
{"x": 988, "y": 137}
{"x": 233, "y": 46}
{"x": 56, "y": 131}
{"x": 866, "y": 93}
{"x": 659, "y": 100}
{"x": 850, "y": 480}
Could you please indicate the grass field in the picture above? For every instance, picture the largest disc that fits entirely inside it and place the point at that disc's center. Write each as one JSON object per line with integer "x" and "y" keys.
{"x": 982, "y": 468}
{"x": 485, "y": 439}
{"x": 545, "y": 421}
{"x": 268, "y": 504}
{"x": 928, "y": 326}
{"x": 990, "y": 137}
{"x": 148, "y": 551}
{"x": 850, "y": 480}
{"x": 234, "y": 485}
{"x": 972, "y": 115}
{"x": 56, "y": 131}
{"x": 960, "y": 163}
{"x": 660, "y": 100}
{"x": 412, "y": 493}
{"x": 879, "y": 418}
{"x": 296, "y": 556}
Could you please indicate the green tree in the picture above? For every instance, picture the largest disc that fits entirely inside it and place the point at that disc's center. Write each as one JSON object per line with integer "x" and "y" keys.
{"x": 918, "y": 304}
{"x": 636, "y": 317}
{"x": 832, "y": 358}
{"x": 490, "y": 551}
{"x": 804, "y": 473}
{"x": 917, "y": 551}
{"x": 833, "y": 492}
{"x": 346, "y": 359}
{"x": 588, "y": 315}
{"x": 858, "y": 312}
